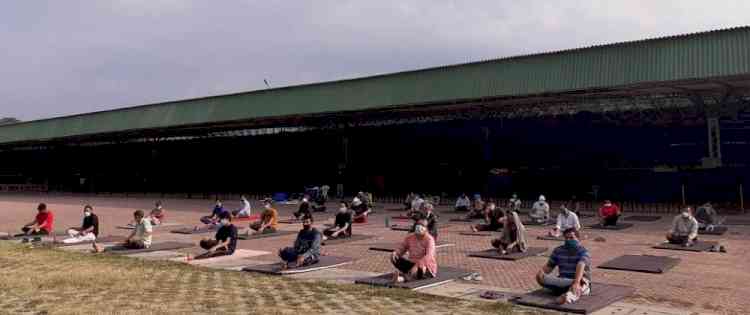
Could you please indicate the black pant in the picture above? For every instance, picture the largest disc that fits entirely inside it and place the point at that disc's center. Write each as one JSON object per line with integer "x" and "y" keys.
{"x": 404, "y": 266}
{"x": 679, "y": 239}
{"x": 40, "y": 232}
{"x": 462, "y": 209}
{"x": 611, "y": 220}
{"x": 217, "y": 253}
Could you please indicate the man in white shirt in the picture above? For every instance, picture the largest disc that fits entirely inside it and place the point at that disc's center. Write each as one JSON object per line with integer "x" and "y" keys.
{"x": 245, "y": 210}
{"x": 567, "y": 219}
{"x": 463, "y": 203}
{"x": 514, "y": 203}
{"x": 540, "y": 211}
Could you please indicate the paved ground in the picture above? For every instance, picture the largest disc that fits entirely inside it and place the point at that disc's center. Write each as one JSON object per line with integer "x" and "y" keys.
{"x": 701, "y": 283}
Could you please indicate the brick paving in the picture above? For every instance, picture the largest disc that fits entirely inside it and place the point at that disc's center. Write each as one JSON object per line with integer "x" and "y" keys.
{"x": 702, "y": 282}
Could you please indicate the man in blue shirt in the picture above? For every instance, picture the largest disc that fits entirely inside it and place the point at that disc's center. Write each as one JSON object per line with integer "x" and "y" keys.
{"x": 574, "y": 270}
{"x": 306, "y": 250}
{"x": 216, "y": 214}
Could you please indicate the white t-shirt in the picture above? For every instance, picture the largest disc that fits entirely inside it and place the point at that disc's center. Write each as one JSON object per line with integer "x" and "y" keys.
{"x": 141, "y": 229}
{"x": 570, "y": 221}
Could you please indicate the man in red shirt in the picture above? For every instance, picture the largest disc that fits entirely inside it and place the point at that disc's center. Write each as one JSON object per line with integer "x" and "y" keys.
{"x": 609, "y": 213}
{"x": 42, "y": 224}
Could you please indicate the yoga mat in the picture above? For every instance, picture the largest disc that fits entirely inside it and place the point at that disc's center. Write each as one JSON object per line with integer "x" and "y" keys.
{"x": 538, "y": 224}
{"x": 101, "y": 239}
{"x": 619, "y": 226}
{"x": 445, "y": 275}
{"x": 192, "y": 230}
{"x": 463, "y": 220}
{"x": 290, "y": 221}
{"x": 551, "y": 238}
{"x": 132, "y": 227}
{"x": 18, "y": 237}
{"x": 494, "y": 254}
{"x": 643, "y": 218}
{"x": 353, "y": 238}
{"x": 389, "y": 247}
{"x": 120, "y": 250}
{"x": 266, "y": 235}
{"x": 718, "y": 230}
{"x": 699, "y": 246}
{"x": 479, "y": 233}
{"x": 401, "y": 228}
{"x": 641, "y": 263}
{"x": 325, "y": 262}
{"x": 601, "y": 296}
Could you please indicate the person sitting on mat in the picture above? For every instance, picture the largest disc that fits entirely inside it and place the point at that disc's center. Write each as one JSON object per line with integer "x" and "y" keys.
{"x": 494, "y": 218}
{"x": 342, "y": 226}
{"x": 42, "y": 224}
{"x": 88, "y": 231}
{"x": 574, "y": 270}
{"x": 609, "y": 213}
{"x": 575, "y": 206}
{"x": 540, "y": 211}
{"x": 514, "y": 203}
{"x": 462, "y": 203}
{"x": 360, "y": 208}
{"x": 407, "y": 202}
{"x": 246, "y": 209}
{"x": 225, "y": 241}
{"x": 567, "y": 219}
{"x": 684, "y": 229}
{"x": 157, "y": 214}
{"x": 306, "y": 250}
{"x": 421, "y": 263}
{"x": 426, "y": 217}
{"x": 416, "y": 203}
{"x": 269, "y": 220}
{"x": 141, "y": 236}
{"x": 304, "y": 209}
{"x": 513, "y": 239}
{"x": 707, "y": 217}
{"x": 216, "y": 214}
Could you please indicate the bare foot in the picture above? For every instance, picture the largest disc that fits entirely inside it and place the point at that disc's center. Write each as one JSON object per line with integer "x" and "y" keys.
{"x": 561, "y": 299}
{"x": 474, "y": 229}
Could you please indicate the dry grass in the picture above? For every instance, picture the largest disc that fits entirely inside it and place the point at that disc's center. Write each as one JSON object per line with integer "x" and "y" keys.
{"x": 49, "y": 281}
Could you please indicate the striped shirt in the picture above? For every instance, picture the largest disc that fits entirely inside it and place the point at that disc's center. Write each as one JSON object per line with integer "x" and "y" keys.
{"x": 566, "y": 260}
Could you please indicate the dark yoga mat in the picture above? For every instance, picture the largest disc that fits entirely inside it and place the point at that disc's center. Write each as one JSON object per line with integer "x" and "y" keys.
{"x": 718, "y": 230}
{"x": 326, "y": 262}
{"x": 699, "y": 246}
{"x": 601, "y": 296}
{"x": 401, "y": 228}
{"x": 493, "y": 233}
{"x": 463, "y": 220}
{"x": 493, "y": 254}
{"x": 551, "y": 238}
{"x": 445, "y": 274}
{"x": 101, "y": 239}
{"x": 389, "y": 247}
{"x": 353, "y": 238}
{"x": 57, "y": 234}
{"x": 290, "y": 221}
{"x": 643, "y": 218}
{"x": 192, "y": 230}
{"x": 641, "y": 263}
{"x": 736, "y": 221}
{"x": 619, "y": 226}
{"x": 155, "y": 247}
{"x": 258, "y": 236}
{"x": 532, "y": 223}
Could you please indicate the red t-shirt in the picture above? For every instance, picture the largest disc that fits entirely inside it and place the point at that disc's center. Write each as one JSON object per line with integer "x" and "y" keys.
{"x": 605, "y": 211}
{"x": 47, "y": 218}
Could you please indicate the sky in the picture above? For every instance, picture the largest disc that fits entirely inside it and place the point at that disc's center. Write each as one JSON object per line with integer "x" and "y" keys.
{"x": 68, "y": 57}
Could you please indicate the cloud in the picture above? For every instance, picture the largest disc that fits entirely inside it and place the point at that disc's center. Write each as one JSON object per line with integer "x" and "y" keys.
{"x": 78, "y": 56}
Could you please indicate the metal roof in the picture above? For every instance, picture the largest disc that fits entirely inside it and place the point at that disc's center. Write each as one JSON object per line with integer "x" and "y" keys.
{"x": 713, "y": 54}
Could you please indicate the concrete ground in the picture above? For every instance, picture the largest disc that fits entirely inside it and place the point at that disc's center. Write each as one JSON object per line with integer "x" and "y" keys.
{"x": 703, "y": 283}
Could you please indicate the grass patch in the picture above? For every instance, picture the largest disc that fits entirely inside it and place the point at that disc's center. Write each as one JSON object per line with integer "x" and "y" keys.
{"x": 53, "y": 281}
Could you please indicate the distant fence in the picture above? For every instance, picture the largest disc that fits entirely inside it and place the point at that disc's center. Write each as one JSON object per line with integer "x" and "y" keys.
{"x": 23, "y": 188}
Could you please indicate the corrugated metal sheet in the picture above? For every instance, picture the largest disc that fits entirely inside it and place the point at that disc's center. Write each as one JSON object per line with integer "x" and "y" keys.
{"x": 701, "y": 55}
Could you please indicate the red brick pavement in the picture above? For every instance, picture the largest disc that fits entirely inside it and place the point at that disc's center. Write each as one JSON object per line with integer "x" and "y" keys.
{"x": 702, "y": 281}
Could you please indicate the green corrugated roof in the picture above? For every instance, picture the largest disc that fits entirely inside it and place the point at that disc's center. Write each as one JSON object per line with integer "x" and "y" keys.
{"x": 692, "y": 56}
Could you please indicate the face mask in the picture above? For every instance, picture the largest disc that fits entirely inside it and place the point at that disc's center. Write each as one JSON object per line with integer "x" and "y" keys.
{"x": 267, "y": 206}
{"x": 224, "y": 222}
{"x": 342, "y": 210}
{"x": 685, "y": 215}
{"x": 306, "y": 226}
{"x": 420, "y": 229}
{"x": 571, "y": 243}
{"x": 86, "y": 213}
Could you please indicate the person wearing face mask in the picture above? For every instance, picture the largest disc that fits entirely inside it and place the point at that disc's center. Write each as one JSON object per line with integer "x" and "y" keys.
{"x": 707, "y": 217}
{"x": 141, "y": 236}
{"x": 361, "y": 208}
{"x": 567, "y": 219}
{"x": 216, "y": 214}
{"x": 462, "y": 203}
{"x": 478, "y": 208}
{"x": 88, "y": 231}
{"x": 540, "y": 211}
{"x": 421, "y": 262}
{"x": 513, "y": 239}
{"x": 243, "y": 212}
{"x": 514, "y": 203}
{"x": 269, "y": 220}
{"x": 574, "y": 270}
{"x": 306, "y": 250}
{"x": 157, "y": 214}
{"x": 494, "y": 217}
{"x": 342, "y": 226}
{"x": 609, "y": 213}
{"x": 225, "y": 241}
{"x": 684, "y": 229}
{"x": 304, "y": 208}
{"x": 416, "y": 203}
{"x": 427, "y": 218}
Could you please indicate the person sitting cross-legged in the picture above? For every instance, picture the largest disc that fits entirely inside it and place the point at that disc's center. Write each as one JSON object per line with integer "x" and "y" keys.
{"x": 478, "y": 208}
{"x": 574, "y": 270}
{"x": 513, "y": 239}
{"x": 245, "y": 210}
{"x": 494, "y": 218}
{"x": 306, "y": 250}
{"x": 609, "y": 213}
{"x": 361, "y": 208}
{"x": 141, "y": 236}
{"x": 158, "y": 214}
{"x": 225, "y": 241}
{"x": 342, "y": 226}
{"x": 514, "y": 203}
{"x": 426, "y": 217}
{"x": 567, "y": 219}
{"x": 684, "y": 229}
{"x": 421, "y": 263}
{"x": 540, "y": 211}
{"x": 216, "y": 214}
{"x": 462, "y": 203}
{"x": 304, "y": 208}
{"x": 88, "y": 231}
{"x": 269, "y": 220}
{"x": 42, "y": 224}
{"x": 707, "y": 217}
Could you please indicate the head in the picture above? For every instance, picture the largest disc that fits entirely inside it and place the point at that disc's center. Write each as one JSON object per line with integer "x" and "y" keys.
{"x": 514, "y": 196}
{"x": 420, "y": 228}
{"x": 491, "y": 206}
{"x": 686, "y": 213}
{"x": 307, "y": 222}
{"x": 88, "y": 210}
{"x": 243, "y": 198}
{"x": 226, "y": 219}
{"x": 218, "y": 202}
{"x": 462, "y": 196}
{"x": 343, "y": 206}
{"x": 267, "y": 203}
{"x": 428, "y": 207}
{"x": 542, "y": 198}
{"x": 41, "y": 207}
{"x": 138, "y": 215}
{"x": 477, "y": 196}
{"x": 564, "y": 210}
{"x": 157, "y": 205}
{"x": 305, "y": 198}
{"x": 571, "y": 239}
{"x": 607, "y": 203}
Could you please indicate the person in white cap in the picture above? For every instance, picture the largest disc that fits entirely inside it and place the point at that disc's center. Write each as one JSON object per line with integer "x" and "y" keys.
{"x": 514, "y": 203}
{"x": 540, "y": 211}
